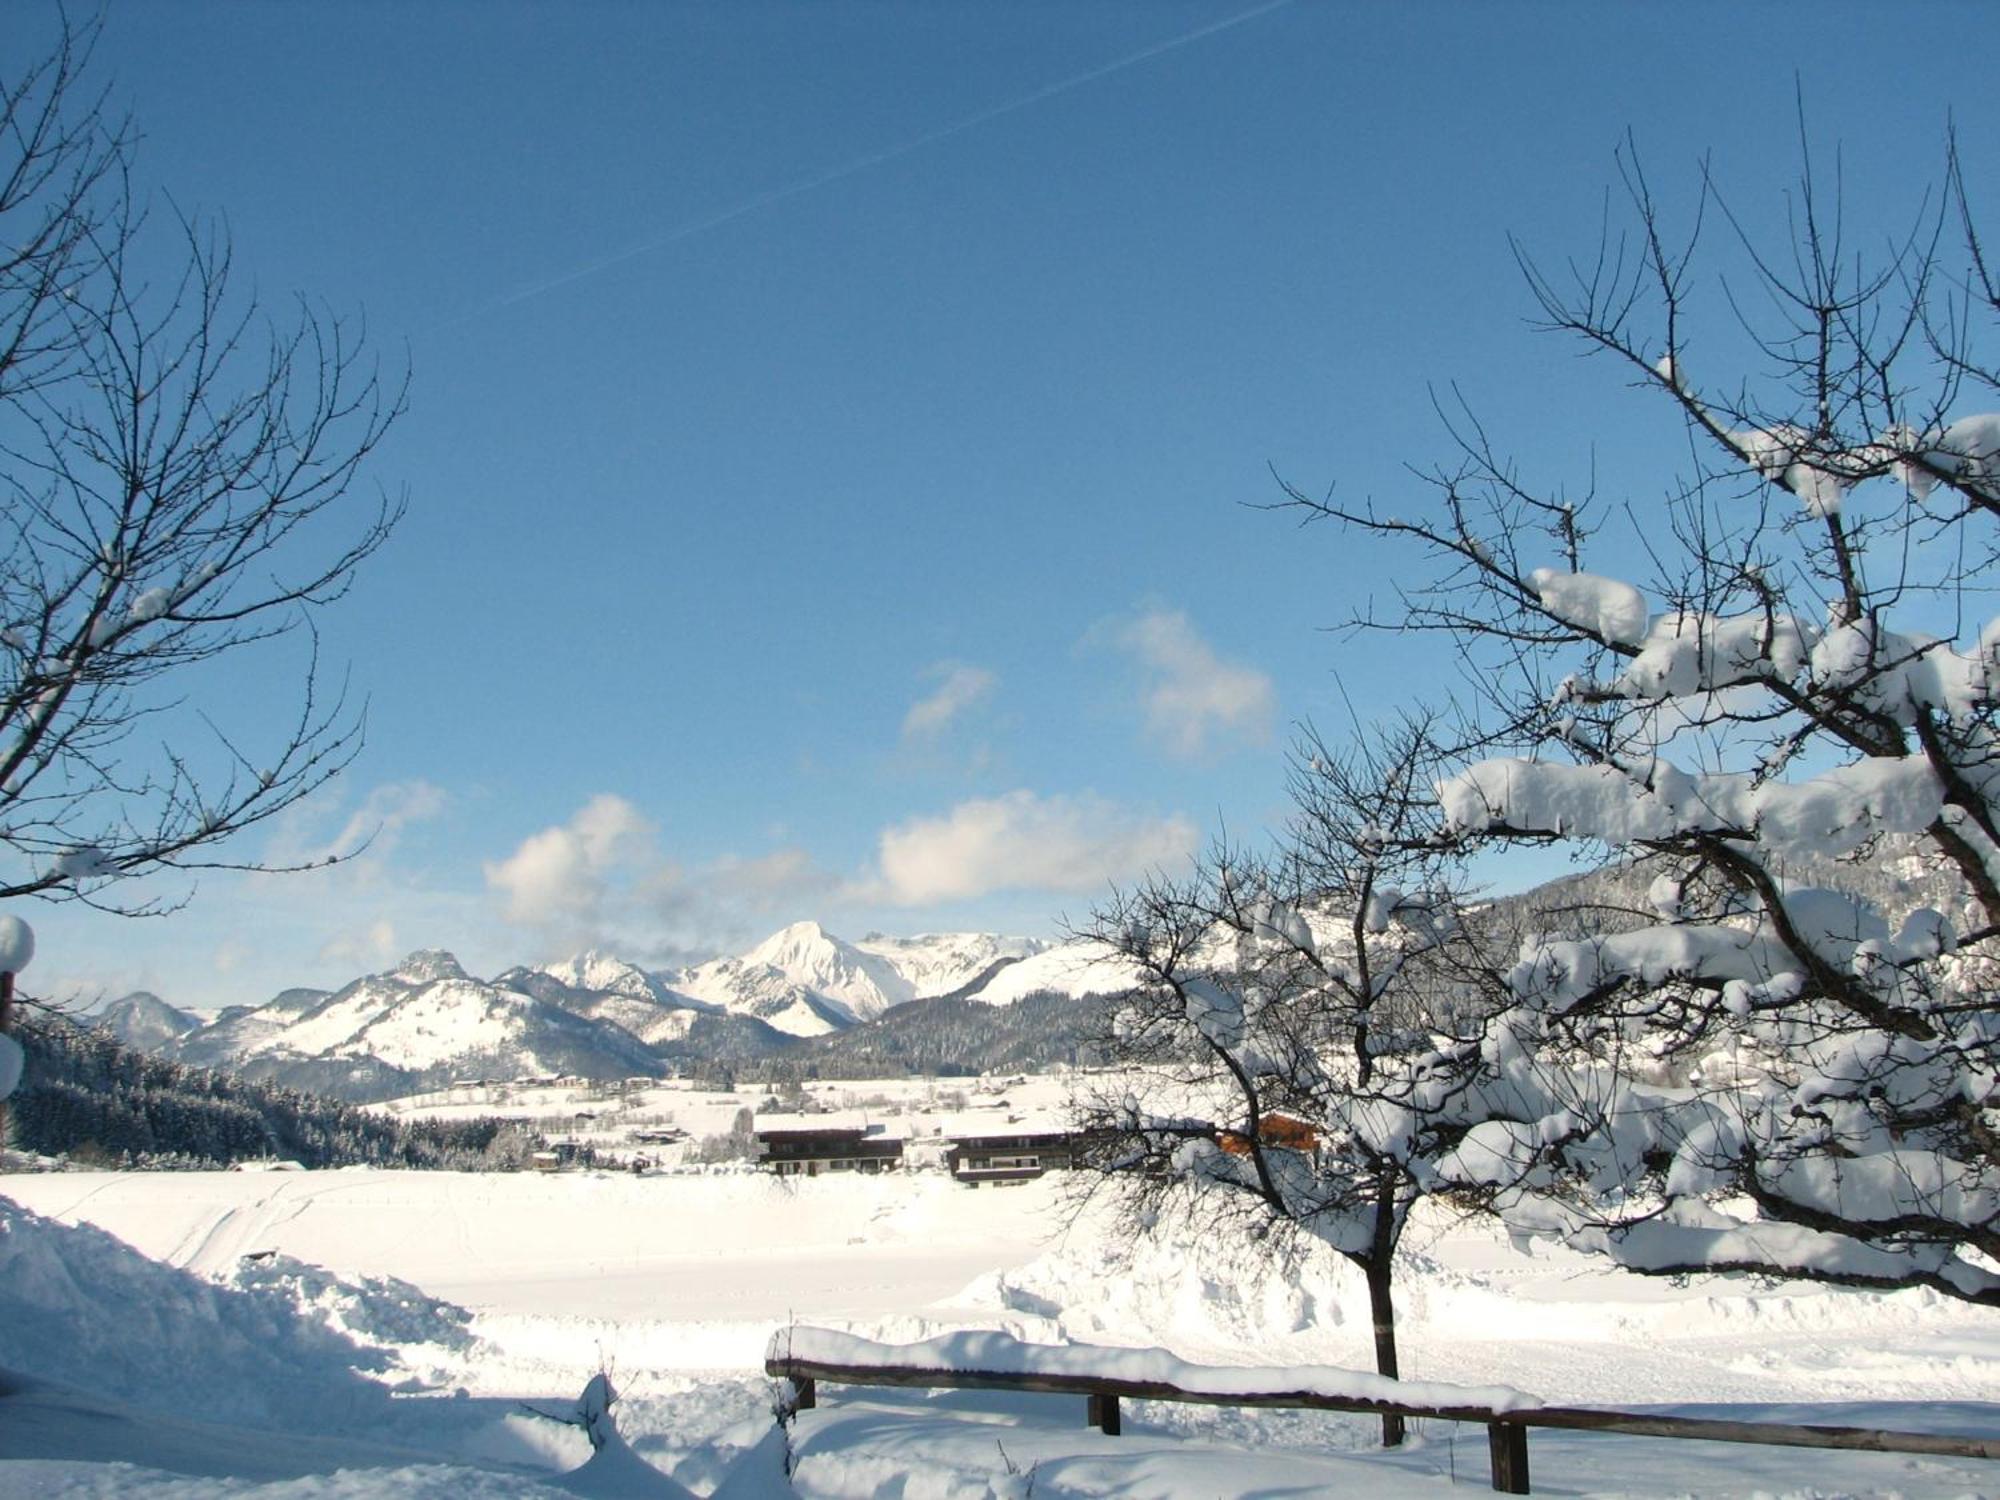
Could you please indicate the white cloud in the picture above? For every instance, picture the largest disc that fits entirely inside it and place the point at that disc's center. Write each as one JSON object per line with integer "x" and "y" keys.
{"x": 369, "y": 835}
{"x": 601, "y": 879}
{"x": 386, "y": 811}
{"x": 959, "y": 688}
{"x": 558, "y": 877}
{"x": 1024, "y": 842}
{"x": 780, "y": 880}
{"x": 1192, "y": 696}
{"x": 613, "y": 832}
{"x": 364, "y": 951}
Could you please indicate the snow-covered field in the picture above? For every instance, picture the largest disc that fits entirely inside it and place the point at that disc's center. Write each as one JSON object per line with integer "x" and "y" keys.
{"x": 619, "y": 1121}
{"x": 383, "y": 1345}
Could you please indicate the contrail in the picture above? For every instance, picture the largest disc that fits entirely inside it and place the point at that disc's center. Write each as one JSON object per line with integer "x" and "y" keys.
{"x": 876, "y": 158}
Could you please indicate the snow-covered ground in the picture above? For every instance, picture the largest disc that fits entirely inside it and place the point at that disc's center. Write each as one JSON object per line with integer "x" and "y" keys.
{"x": 698, "y": 1267}
{"x": 383, "y": 1344}
{"x": 624, "y": 1121}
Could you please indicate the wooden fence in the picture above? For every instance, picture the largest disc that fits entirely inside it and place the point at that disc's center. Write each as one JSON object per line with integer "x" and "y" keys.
{"x": 1506, "y": 1431}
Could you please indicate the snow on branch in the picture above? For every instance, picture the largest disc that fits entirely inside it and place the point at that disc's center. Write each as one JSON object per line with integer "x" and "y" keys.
{"x": 1766, "y": 1039}
{"x": 1654, "y": 801}
{"x": 1607, "y": 608}
{"x": 1694, "y": 1238}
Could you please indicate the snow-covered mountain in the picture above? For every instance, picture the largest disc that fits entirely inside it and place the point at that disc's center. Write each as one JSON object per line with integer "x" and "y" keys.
{"x": 242, "y": 1030}
{"x": 604, "y": 988}
{"x": 942, "y": 963}
{"x": 802, "y": 993}
{"x": 142, "y": 1020}
{"x": 768, "y": 996}
{"x": 594, "y": 970}
{"x": 426, "y": 1018}
{"x": 804, "y": 980}
{"x": 1077, "y": 969}
{"x": 801, "y": 979}
{"x": 427, "y": 1021}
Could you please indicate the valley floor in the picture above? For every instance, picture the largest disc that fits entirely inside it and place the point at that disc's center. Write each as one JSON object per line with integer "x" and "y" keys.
{"x": 520, "y": 1287}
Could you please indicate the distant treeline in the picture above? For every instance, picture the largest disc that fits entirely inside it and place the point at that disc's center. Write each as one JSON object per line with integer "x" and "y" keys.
{"x": 943, "y": 1038}
{"x": 952, "y": 1036}
{"x": 87, "y": 1096}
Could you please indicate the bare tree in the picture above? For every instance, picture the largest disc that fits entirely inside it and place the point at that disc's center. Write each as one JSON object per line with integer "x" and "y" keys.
{"x": 179, "y": 474}
{"x": 1305, "y": 1046}
{"x": 1794, "y": 662}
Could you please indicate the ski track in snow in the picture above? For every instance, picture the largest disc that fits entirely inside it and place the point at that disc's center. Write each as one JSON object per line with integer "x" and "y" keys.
{"x": 219, "y": 1241}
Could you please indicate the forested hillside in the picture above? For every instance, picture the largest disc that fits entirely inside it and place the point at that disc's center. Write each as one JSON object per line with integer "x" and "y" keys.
{"x": 88, "y": 1096}
{"x": 956, "y": 1036}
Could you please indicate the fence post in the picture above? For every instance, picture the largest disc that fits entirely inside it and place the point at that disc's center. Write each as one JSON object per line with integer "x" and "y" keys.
{"x": 1101, "y": 1412}
{"x": 1507, "y": 1444}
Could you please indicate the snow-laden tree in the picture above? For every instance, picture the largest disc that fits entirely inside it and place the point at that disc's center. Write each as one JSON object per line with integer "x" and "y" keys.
{"x": 17, "y": 946}
{"x": 1791, "y": 660}
{"x": 177, "y": 484}
{"x": 1307, "y": 1036}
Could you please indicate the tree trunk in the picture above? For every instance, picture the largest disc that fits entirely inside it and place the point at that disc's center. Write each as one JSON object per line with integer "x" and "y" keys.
{"x": 6, "y": 1028}
{"x": 1382, "y": 1307}
{"x": 1377, "y": 1267}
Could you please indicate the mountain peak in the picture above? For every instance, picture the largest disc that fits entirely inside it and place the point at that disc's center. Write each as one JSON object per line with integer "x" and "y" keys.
{"x": 145, "y": 1021}
{"x": 806, "y": 955}
{"x": 595, "y": 969}
{"x": 788, "y": 944}
{"x": 426, "y": 966}
{"x": 594, "y": 961}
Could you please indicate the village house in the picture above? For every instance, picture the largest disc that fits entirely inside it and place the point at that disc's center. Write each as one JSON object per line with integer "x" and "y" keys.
{"x": 814, "y": 1150}
{"x": 1274, "y": 1131}
{"x": 560, "y": 1155}
{"x": 1017, "y": 1157}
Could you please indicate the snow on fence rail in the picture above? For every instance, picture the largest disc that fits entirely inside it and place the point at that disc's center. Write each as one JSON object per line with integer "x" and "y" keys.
{"x": 997, "y": 1361}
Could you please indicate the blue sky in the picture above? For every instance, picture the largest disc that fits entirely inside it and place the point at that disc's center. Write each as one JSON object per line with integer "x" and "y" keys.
{"x": 835, "y": 429}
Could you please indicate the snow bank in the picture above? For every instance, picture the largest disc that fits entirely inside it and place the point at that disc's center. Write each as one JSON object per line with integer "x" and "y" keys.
{"x": 377, "y": 1312}
{"x": 49, "y": 1480}
{"x": 173, "y": 1384}
{"x": 86, "y": 1310}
